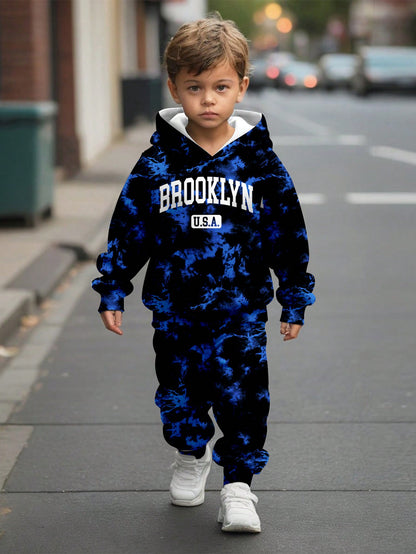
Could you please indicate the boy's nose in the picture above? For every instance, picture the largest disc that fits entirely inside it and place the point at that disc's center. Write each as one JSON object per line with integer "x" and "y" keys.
{"x": 208, "y": 99}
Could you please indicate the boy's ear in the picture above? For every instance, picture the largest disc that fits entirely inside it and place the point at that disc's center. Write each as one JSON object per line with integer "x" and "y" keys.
{"x": 243, "y": 88}
{"x": 173, "y": 91}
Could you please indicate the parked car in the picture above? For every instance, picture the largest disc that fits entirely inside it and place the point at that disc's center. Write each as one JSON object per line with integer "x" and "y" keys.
{"x": 264, "y": 73}
{"x": 281, "y": 59}
{"x": 299, "y": 75}
{"x": 385, "y": 68}
{"x": 336, "y": 70}
{"x": 267, "y": 68}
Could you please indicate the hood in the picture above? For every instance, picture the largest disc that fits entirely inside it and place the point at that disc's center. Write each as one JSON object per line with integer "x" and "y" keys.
{"x": 171, "y": 128}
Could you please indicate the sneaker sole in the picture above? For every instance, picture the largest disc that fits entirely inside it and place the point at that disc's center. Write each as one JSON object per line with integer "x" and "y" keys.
{"x": 236, "y": 528}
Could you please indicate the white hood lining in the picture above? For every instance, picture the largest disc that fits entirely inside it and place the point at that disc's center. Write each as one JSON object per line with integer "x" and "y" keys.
{"x": 242, "y": 121}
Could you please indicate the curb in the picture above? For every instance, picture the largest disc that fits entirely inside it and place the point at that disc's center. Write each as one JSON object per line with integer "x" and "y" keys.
{"x": 21, "y": 375}
{"x": 15, "y": 304}
{"x": 39, "y": 279}
{"x": 42, "y": 276}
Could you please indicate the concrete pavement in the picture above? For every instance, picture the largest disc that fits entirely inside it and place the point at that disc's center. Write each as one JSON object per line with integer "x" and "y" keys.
{"x": 83, "y": 465}
{"x": 35, "y": 261}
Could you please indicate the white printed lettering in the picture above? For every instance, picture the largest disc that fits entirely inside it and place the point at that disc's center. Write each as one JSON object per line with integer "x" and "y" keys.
{"x": 203, "y": 190}
{"x": 164, "y": 198}
{"x": 224, "y": 201}
{"x": 200, "y": 190}
{"x": 212, "y": 197}
{"x": 206, "y": 221}
{"x": 247, "y": 203}
{"x": 188, "y": 197}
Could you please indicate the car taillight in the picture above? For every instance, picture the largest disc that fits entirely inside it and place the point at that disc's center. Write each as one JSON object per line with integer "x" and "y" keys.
{"x": 290, "y": 80}
{"x": 272, "y": 72}
{"x": 310, "y": 81}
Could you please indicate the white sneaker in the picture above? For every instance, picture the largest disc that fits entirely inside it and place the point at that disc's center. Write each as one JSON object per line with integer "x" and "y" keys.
{"x": 187, "y": 487}
{"x": 237, "y": 511}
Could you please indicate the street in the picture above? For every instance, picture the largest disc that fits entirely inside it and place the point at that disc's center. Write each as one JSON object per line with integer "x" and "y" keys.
{"x": 94, "y": 475}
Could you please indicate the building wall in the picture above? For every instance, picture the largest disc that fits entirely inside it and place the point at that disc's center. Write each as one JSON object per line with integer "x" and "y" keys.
{"x": 97, "y": 70}
{"x": 385, "y": 22}
{"x": 152, "y": 34}
{"x": 77, "y": 53}
{"x": 25, "y": 50}
{"x": 182, "y": 11}
{"x": 128, "y": 33}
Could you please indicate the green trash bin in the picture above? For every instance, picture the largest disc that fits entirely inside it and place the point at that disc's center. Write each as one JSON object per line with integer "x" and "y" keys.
{"x": 27, "y": 150}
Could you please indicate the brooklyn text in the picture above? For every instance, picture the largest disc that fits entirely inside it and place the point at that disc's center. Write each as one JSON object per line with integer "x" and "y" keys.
{"x": 206, "y": 190}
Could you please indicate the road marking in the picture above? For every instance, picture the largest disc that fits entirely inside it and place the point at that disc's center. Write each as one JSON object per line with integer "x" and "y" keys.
{"x": 381, "y": 198}
{"x": 312, "y": 198}
{"x": 395, "y": 154}
{"x": 295, "y": 119}
{"x": 305, "y": 124}
{"x": 352, "y": 140}
{"x": 320, "y": 140}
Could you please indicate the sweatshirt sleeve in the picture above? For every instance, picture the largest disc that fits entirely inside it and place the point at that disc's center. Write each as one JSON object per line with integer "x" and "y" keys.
{"x": 286, "y": 244}
{"x": 128, "y": 245}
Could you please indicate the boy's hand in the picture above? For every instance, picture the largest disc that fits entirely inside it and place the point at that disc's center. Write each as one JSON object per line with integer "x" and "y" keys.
{"x": 289, "y": 330}
{"x": 112, "y": 321}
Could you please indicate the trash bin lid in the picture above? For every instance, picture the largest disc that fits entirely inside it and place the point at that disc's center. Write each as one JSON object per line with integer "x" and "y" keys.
{"x": 26, "y": 110}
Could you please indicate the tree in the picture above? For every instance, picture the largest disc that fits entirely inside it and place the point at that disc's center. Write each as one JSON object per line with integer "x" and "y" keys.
{"x": 313, "y": 15}
{"x": 238, "y": 11}
{"x": 310, "y": 15}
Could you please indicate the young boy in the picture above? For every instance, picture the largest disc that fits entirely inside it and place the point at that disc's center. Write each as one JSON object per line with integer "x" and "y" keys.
{"x": 211, "y": 208}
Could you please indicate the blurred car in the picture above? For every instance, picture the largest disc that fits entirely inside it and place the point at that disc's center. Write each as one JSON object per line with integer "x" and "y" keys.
{"x": 268, "y": 67}
{"x": 299, "y": 75}
{"x": 336, "y": 70}
{"x": 281, "y": 59}
{"x": 385, "y": 68}
{"x": 264, "y": 73}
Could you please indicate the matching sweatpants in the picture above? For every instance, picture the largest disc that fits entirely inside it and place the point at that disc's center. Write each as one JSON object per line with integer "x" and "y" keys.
{"x": 220, "y": 365}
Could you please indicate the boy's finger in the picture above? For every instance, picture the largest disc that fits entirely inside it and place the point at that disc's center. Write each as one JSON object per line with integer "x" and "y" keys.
{"x": 110, "y": 321}
{"x": 290, "y": 330}
{"x": 118, "y": 318}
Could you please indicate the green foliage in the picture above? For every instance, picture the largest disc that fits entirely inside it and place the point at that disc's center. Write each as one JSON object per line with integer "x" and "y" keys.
{"x": 240, "y": 11}
{"x": 309, "y": 15}
{"x": 313, "y": 15}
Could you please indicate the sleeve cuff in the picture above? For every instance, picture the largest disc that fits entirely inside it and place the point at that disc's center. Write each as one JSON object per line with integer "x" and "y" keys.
{"x": 293, "y": 315}
{"x": 111, "y": 304}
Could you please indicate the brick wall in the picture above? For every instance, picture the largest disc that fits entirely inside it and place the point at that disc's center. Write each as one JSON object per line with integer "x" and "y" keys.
{"x": 25, "y": 50}
{"x": 67, "y": 143}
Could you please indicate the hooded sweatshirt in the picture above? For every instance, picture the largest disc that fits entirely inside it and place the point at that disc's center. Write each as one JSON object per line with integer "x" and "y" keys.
{"x": 210, "y": 227}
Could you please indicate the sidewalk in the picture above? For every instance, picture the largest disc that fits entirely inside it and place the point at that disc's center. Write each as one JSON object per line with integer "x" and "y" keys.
{"x": 83, "y": 465}
{"x": 35, "y": 260}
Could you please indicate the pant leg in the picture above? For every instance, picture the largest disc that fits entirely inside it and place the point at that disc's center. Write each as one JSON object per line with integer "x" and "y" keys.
{"x": 241, "y": 401}
{"x": 182, "y": 366}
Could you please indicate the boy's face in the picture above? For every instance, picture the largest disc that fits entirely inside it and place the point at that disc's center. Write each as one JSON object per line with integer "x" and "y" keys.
{"x": 208, "y": 99}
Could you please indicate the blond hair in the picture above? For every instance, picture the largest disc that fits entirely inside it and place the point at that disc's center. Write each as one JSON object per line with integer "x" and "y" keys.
{"x": 204, "y": 44}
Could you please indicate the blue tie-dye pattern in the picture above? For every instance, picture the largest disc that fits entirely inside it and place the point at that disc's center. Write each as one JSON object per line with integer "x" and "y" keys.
{"x": 237, "y": 392}
{"x": 239, "y": 254}
{"x": 264, "y": 395}
{"x": 245, "y": 438}
{"x": 158, "y": 167}
{"x": 175, "y": 429}
{"x": 226, "y": 370}
{"x": 213, "y": 273}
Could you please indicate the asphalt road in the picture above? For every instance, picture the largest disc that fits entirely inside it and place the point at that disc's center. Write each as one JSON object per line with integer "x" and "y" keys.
{"x": 342, "y": 474}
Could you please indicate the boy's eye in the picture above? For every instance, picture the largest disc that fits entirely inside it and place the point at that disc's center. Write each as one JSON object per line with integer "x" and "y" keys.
{"x": 221, "y": 88}
{"x": 194, "y": 88}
